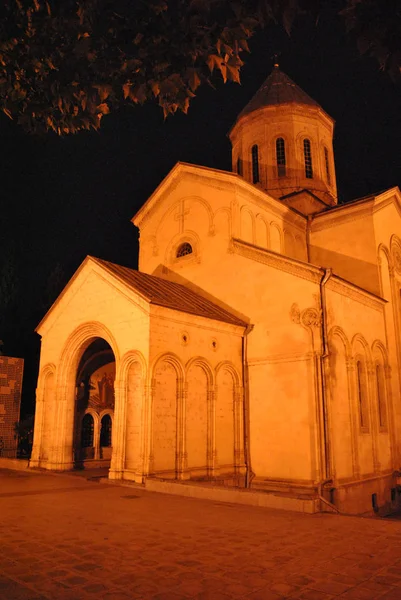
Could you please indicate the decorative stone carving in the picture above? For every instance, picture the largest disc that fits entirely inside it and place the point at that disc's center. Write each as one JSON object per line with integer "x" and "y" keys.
{"x": 310, "y": 317}
{"x": 397, "y": 259}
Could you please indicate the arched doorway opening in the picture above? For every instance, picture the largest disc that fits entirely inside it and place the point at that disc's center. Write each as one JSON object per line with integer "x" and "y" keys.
{"x": 94, "y": 406}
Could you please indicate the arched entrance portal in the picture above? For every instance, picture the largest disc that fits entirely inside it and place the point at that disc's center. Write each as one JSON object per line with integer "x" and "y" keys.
{"x": 94, "y": 406}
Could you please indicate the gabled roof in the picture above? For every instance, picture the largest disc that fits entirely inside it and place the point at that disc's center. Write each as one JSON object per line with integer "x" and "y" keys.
{"x": 155, "y": 290}
{"x": 277, "y": 89}
{"x": 168, "y": 293}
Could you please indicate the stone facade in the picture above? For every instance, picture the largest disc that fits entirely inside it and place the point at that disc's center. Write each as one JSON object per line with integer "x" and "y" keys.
{"x": 260, "y": 340}
{"x": 11, "y": 371}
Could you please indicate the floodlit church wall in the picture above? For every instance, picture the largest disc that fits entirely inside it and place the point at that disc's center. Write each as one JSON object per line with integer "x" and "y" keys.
{"x": 194, "y": 210}
{"x": 97, "y": 300}
{"x": 279, "y": 351}
{"x": 196, "y": 421}
{"x": 359, "y": 396}
{"x": 347, "y": 245}
{"x": 98, "y": 310}
{"x": 283, "y": 419}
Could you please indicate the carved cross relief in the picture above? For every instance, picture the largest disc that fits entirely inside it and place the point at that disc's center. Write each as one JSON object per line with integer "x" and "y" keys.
{"x": 180, "y": 215}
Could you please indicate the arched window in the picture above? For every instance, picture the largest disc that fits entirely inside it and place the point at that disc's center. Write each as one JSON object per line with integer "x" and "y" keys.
{"x": 362, "y": 400}
{"x": 105, "y": 431}
{"x": 87, "y": 431}
{"x": 327, "y": 165}
{"x": 255, "y": 164}
{"x": 280, "y": 157}
{"x": 308, "y": 159}
{"x": 239, "y": 166}
{"x": 184, "y": 249}
{"x": 381, "y": 396}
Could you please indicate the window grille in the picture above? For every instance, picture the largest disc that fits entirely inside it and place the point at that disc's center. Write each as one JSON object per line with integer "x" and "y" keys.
{"x": 105, "y": 431}
{"x": 308, "y": 159}
{"x": 184, "y": 249}
{"x": 87, "y": 431}
{"x": 280, "y": 157}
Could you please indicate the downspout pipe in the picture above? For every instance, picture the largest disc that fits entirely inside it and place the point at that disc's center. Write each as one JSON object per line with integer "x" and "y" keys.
{"x": 326, "y": 471}
{"x": 249, "y": 475}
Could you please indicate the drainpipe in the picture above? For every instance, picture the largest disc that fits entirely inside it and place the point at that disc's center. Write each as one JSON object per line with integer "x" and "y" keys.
{"x": 249, "y": 475}
{"x": 326, "y": 475}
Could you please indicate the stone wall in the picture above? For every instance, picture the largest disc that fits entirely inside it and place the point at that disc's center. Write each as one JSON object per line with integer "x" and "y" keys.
{"x": 11, "y": 370}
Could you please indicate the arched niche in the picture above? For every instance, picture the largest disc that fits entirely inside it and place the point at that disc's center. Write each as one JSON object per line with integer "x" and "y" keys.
{"x": 196, "y": 417}
{"x": 340, "y": 408}
{"x": 225, "y": 419}
{"x": 134, "y": 399}
{"x": 165, "y": 386}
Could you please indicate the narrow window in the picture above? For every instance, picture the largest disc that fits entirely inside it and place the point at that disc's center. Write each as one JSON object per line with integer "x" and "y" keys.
{"x": 308, "y": 160}
{"x": 255, "y": 164}
{"x": 280, "y": 157}
{"x": 184, "y": 249}
{"x": 361, "y": 395}
{"x": 87, "y": 431}
{"x": 327, "y": 165}
{"x": 239, "y": 166}
{"x": 381, "y": 402}
{"x": 105, "y": 431}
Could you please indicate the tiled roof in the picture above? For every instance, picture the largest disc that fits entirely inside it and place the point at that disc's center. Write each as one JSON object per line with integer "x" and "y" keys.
{"x": 277, "y": 89}
{"x": 169, "y": 294}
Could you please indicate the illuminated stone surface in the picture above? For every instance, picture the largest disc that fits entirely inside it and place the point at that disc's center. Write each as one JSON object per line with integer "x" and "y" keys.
{"x": 64, "y": 538}
{"x": 274, "y": 282}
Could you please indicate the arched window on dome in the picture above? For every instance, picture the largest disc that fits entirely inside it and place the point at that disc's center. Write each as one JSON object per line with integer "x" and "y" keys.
{"x": 255, "y": 163}
{"x": 280, "y": 157}
{"x": 308, "y": 159}
{"x": 183, "y": 250}
{"x": 327, "y": 165}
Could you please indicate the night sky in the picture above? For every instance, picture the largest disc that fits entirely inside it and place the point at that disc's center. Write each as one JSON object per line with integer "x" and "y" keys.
{"x": 65, "y": 198}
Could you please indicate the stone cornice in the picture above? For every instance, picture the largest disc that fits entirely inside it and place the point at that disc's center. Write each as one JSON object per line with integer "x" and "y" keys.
{"x": 350, "y": 290}
{"x": 356, "y": 210}
{"x": 223, "y": 180}
{"x": 277, "y": 261}
{"x": 188, "y": 319}
{"x": 342, "y": 214}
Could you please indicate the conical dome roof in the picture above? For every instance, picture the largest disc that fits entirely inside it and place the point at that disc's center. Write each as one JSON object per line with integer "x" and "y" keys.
{"x": 277, "y": 89}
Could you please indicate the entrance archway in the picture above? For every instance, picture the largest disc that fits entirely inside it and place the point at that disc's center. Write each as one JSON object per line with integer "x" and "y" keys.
{"x": 94, "y": 406}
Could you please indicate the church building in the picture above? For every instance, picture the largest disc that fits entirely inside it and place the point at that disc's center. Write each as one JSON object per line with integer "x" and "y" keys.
{"x": 257, "y": 345}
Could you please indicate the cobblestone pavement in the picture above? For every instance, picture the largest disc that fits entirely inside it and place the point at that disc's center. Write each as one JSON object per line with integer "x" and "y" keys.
{"x": 64, "y": 537}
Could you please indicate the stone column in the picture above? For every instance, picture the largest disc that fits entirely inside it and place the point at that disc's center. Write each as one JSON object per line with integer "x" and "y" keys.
{"x": 181, "y": 452}
{"x": 350, "y": 364}
{"x": 211, "y": 433}
{"x": 118, "y": 451}
{"x": 38, "y": 428}
{"x": 239, "y": 457}
{"x": 372, "y": 404}
{"x": 96, "y": 437}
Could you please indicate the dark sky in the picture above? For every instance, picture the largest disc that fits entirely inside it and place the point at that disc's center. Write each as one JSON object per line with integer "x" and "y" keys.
{"x": 62, "y": 199}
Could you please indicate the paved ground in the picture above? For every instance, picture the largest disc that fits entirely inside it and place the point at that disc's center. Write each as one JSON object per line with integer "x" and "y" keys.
{"x": 67, "y": 538}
